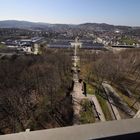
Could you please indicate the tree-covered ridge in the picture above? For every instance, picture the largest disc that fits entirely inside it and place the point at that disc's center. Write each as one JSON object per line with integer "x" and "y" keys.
{"x": 33, "y": 92}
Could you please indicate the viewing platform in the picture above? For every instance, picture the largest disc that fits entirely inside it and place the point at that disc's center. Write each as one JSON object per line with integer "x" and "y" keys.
{"x": 114, "y": 130}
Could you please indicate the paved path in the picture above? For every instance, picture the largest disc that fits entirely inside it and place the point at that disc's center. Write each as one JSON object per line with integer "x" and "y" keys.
{"x": 97, "y": 107}
{"x": 77, "y": 96}
{"x": 77, "y": 93}
{"x": 117, "y": 101}
{"x": 137, "y": 114}
{"x": 113, "y": 109}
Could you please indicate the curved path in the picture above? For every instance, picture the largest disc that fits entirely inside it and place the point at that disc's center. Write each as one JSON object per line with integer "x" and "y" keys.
{"x": 97, "y": 107}
{"x": 116, "y": 101}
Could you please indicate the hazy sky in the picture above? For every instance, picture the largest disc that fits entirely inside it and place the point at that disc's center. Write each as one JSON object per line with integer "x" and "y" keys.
{"x": 122, "y": 12}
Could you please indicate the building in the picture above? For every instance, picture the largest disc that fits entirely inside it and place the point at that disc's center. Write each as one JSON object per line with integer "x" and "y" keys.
{"x": 29, "y": 46}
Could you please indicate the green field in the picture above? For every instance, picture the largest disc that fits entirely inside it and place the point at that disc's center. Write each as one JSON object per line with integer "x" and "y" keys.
{"x": 128, "y": 41}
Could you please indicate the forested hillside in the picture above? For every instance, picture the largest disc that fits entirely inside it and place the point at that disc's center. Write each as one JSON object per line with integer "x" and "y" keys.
{"x": 33, "y": 92}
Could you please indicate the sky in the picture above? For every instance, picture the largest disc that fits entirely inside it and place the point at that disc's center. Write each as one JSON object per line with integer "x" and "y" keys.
{"x": 117, "y": 12}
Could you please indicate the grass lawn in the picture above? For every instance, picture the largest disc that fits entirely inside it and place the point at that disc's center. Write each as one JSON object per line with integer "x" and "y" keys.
{"x": 86, "y": 114}
{"x": 104, "y": 107}
{"x": 128, "y": 41}
{"x": 127, "y": 100}
{"x": 2, "y": 46}
{"x": 90, "y": 89}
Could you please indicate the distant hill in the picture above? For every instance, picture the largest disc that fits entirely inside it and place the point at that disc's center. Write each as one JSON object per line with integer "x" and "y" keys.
{"x": 21, "y": 24}
{"x": 38, "y": 25}
{"x": 97, "y": 26}
{"x": 103, "y": 27}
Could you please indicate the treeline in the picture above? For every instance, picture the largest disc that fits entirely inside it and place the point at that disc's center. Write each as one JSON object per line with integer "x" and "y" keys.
{"x": 33, "y": 92}
{"x": 120, "y": 68}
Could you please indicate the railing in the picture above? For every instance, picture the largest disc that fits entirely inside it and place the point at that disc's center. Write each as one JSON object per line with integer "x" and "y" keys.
{"x": 113, "y": 130}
